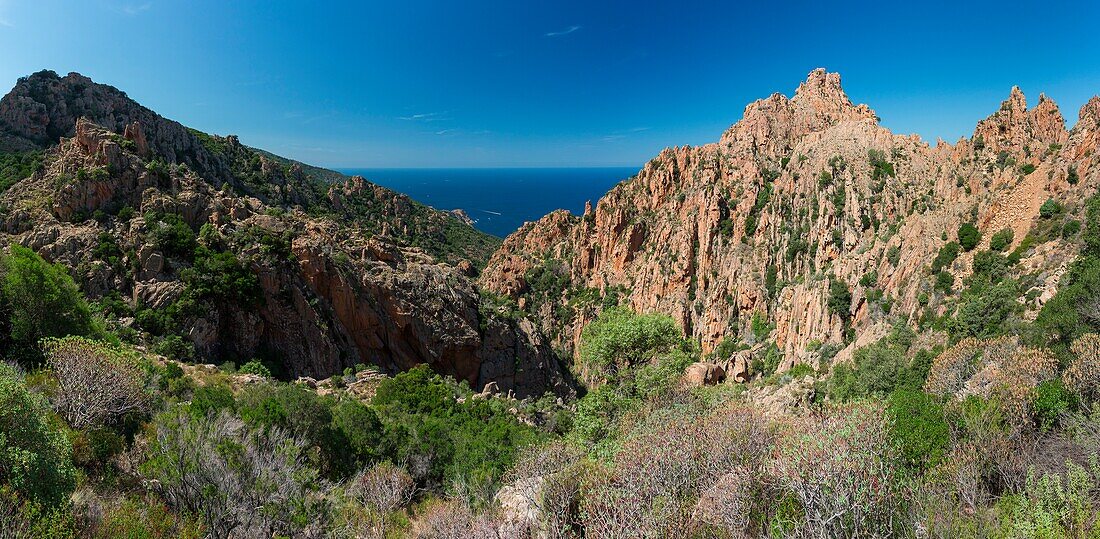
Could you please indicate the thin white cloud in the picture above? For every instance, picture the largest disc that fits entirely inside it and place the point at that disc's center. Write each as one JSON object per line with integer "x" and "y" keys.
{"x": 619, "y": 135}
{"x": 4, "y": 14}
{"x": 565, "y": 32}
{"x": 133, "y": 9}
{"x": 456, "y": 132}
{"x": 425, "y": 117}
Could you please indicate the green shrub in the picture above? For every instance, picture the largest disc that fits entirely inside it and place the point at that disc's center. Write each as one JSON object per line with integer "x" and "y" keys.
{"x": 146, "y": 518}
{"x": 168, "y": 233}
{"x": 466, "y": 444}
{"x": 26, "y": 519}
{"x": 945, "y": 257}
{"x": 878, "y": 369}
{"x": 1054, "y": 505}
{"x": 1050, "y": 401}
{"x": 944, "y": 282}
{"x": 1071, "y": 228}
{"x": 893, "y": 255}
{"x": 840, "y": 299}
{"x": 763, "y": 195}
{"x": 255, "y": 367}
{"x": 173, "y": 346}
{"x": 969, "y": 236}
{"x": 18, "y": 166}
{"x": 35, "y": 457}
{"x": 990, "y": 265}
{"x": 126, "y": 213}
{"x": 211, "y": 399}
{"x": 984, "y": 310}
{"x": 362, "y": 429}
{"x": 916, "y": 424}
{"x": 221, "y": 277}
{"x": 880, "y": 167}
{"x": 1050, "y": 208}
{"x": 760, "y": 326}
{"x": 303, "y": 413}
{"x": 1001, "y": 240}
{"x": 41, "y": 299}
{"x": 1071, "y": 176}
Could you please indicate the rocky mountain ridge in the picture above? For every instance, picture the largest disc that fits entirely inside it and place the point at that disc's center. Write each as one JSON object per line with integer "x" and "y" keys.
{"x": 198, "y": 242}
{"x": 810, "y": 225}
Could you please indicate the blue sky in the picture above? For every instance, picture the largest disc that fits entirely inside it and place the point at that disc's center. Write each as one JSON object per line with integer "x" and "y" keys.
{"x": 419, "y": 83}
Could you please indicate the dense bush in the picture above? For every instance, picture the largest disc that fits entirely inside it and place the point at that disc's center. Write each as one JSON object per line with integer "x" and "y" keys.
{"x": 879, "y": 369}
{"x": 620, "y": 339}
{"x": 945, "y": 257}
{"x": 984, "y": 310}
{"x": 17, "y": 166}
{"x": 1050, "y": 208}
{"x": 240, "y": 481}
{"x": 917, "y": 425}
{"x": 969, "y": 236}
{"x": 1050, "y": 401}
{"x": 459, "y": 447}
{"x": 256, "y": 367}
{"x": 1001, "y": 240}
{"x": 840, "y": 299}
{"x": 169, "y": 233}
{"x": 991, "y": 266}
{"x": 220, "y": 276}
{"x": 305, "y": 415}
{"x": 35, "y": 457}
{"x": 41, "y": 300}
{"x": 97, "y": 384}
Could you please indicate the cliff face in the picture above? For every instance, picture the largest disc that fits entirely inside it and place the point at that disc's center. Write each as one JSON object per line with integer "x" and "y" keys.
{"x": 800, "y": 193}
{"x": 338, "y": 280}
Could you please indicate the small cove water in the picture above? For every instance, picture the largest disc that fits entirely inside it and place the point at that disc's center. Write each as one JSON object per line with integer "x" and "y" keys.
{"x": 500, "y": 200}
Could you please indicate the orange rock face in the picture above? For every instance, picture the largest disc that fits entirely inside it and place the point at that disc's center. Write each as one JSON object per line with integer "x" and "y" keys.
{"x": 800, "y": 192}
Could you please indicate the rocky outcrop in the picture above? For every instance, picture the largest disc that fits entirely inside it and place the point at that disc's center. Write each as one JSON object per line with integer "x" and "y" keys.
{"x": 332, "y": 293}
{"x": 801, "y": 193}
{"x": 43, "y": 108}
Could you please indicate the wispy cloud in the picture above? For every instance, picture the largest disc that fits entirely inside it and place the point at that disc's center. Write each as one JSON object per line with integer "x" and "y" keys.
{"x": 4, "y": 14}
{"x": 131, "y": 9}
{"x": 425, "y": 117}
{"x": 619, "y": 135}
{"x": 455, "y": 132}
{"x": 565, "y": 32}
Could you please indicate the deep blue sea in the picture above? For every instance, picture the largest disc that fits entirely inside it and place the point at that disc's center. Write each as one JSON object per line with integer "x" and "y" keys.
{"x": 500, "y": 200}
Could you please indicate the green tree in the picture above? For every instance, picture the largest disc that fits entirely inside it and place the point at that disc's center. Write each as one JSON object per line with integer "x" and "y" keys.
{"x": 620, "y": 339}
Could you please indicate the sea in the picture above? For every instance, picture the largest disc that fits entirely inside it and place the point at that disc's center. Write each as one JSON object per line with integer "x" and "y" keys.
{"x": 500, "y": 200}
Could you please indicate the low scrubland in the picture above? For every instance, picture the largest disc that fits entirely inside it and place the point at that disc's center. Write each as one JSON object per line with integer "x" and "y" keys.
{"x": 978, "y": 422}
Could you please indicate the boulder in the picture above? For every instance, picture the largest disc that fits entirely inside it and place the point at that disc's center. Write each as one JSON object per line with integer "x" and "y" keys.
{"x": 703, "y": 374}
